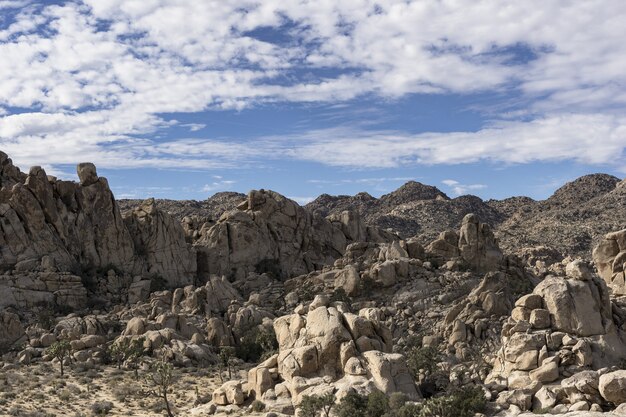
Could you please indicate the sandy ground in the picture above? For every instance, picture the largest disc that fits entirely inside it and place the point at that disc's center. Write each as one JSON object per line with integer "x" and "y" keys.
{"x": 38, "y": 390}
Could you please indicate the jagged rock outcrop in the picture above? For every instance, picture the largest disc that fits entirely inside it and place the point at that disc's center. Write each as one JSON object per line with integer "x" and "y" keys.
{"x": 474, "y": 245}
{"x": 610, "y": 259}
{"x": 11, "y": 330}
{"x": 328, "y": 349}
{"x": 56, "y": 235}
{"x": 161, "y": 241}
{"x": 566, "y": 328}
{"x": 270, "y": 233}
{"x": 72, "y": 223}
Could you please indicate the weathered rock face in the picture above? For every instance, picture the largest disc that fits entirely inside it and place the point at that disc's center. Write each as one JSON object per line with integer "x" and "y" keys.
{"x": 478, "y": 246}
{"x": 161, "y": 241}
{"x": 11, "y": 330}
{"x": 475, "y": 245}
{"x": 51, "y": 231}
{"x": 612, "y": 387}
{"x": 330, "y": 349}
{"x": 270, "y": 233}
{"x": 72, "y": 223}
{"x": 565, "y": 326}
{"x": 610, "y": 259}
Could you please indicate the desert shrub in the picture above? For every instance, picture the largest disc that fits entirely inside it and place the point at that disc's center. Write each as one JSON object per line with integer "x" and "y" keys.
{"x": 408, "y": 410}
{"x": 397, "y": 400}
{"x": 340, "y": 295}
{"x": 367, "y": 285}
{"x": 422, "y": 358}
{"x": 257, "y": 406}
{"x": 101, "y": 408}
{"x": 127, "y": 350}
{"x": 317, "y": 405}
{"x": 160, "y": 381}
{"x": 377, "y": 404}
{"x": 352, "y": 405}
{"x": 257, "y": 344}
{"x": 157, "y": 283}
{"x": 463, "y": 402}
{"x": 270, "y": 267}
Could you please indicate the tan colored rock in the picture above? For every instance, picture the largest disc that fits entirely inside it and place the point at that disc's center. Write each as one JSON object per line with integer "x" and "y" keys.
{"x": 609, "y": 257}
{"x": 160, "y": 240}
{"x": 11, "y": 330}
{"x": 578, "y": 307}
{"x": 218, "y": 333}
{"x": 269, "y": 233}
{"x": 612, "y": 387}
{"x": 540, "y": 318}
{"x": 477, "y": 245}
{"x": 530, "y": 301}
{"x": 390, "y": 373}
{"x": 547, "y": 372}
{"x": 229, "y": 393}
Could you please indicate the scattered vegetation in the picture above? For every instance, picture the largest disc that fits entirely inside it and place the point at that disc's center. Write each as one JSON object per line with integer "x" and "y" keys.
{"x": 101, "y": 408}
{"x": 257, "y": 406}
{"x": 317, "y": 405}
{"x": 160, "y": 381}
{"x": 128, "y": 351}
{"x": 60, "y": 350}
{"x": 257, "y": 344}
{"x": 463, "y": 402}
{"x": 226, "y": 361}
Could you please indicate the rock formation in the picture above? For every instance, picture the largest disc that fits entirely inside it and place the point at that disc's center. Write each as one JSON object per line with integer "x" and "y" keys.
{"x": 610, "y": 259}
{"x": 161, "y": 241}
{"x": 270, "y": 233}
{"x": 474, "y": 245}
{"x": 328, "y": 349}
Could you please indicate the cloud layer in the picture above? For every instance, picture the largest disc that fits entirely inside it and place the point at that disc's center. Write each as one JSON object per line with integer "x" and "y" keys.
{"x": 94, "y": 78}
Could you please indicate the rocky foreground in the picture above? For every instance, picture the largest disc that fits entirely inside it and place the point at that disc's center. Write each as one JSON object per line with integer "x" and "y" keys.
{"x": 275, "y": 309}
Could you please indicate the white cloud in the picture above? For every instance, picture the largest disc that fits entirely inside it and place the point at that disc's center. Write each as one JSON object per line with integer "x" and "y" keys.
{"x": 462, "y": 189}
{"x": 220, "y": 185}
{"x": 194, "y": 127}
{"x": 95, "y": 75}
{"x": 588, "y": 139}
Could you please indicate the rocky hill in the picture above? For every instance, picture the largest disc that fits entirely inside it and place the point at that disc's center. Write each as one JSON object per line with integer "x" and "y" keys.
{"x": 251, "y": 304}
{"x": 572, "y": 220}
{"x": 211, "y": 208}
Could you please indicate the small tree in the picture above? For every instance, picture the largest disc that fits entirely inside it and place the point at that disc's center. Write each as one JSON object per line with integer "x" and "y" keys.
{"x": 316, "y": 405}
{"x": 160, "y": 380}
{"x": 377, "y": 404}
{"x": 226, "y": 360}
{"x": 127, "y": 350}
{"x": 352, "y": 405}
{"x": 60, "y": 349}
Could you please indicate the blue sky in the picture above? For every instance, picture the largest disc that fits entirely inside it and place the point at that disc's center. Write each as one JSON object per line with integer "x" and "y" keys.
{"x": 180, "y": 99}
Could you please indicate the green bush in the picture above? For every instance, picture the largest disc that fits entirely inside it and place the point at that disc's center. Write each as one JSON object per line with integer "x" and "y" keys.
{"x": 340, "y": 295}
{"x": 423, "y": 358}
{"x": 352, "y": 405}
{"x": 257, "y": 344}
{"x": 317, "y": 405}
{"x": 463, "y": 402}
{"x": 377, "y": 405}
{"x": 257, "y": 406}
{"x": 157, "y": 283}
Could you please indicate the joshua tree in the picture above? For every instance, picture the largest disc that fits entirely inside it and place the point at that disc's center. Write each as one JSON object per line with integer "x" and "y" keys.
{"x": 226, "y": 357}
{"x": 127, "y": 350}
{"x": 60, "y": 349}
{"x": 160, "y": 380}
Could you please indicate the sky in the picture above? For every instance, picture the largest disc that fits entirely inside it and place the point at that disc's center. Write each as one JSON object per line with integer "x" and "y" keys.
{"x": 181, "y": 99}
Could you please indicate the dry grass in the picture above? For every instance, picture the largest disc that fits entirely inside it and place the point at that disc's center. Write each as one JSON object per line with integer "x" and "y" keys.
{"x": 39, "y": 391}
